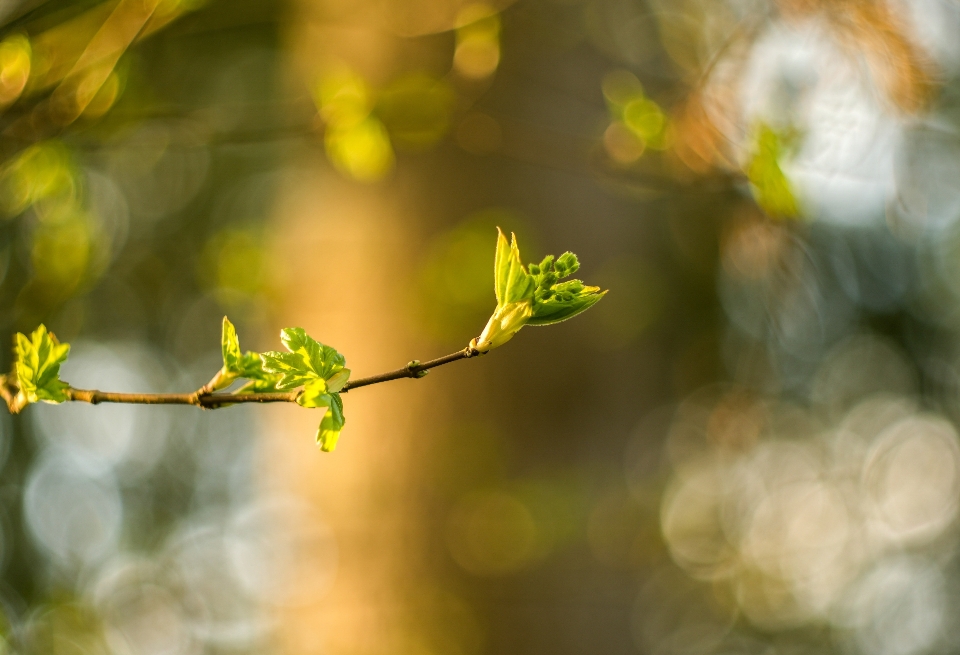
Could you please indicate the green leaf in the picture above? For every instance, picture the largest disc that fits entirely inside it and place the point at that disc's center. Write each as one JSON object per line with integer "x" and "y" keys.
{"x": 322, "y": 360}
{"x": 251, "y": 366}
{"x": 337, "y": 381}
{"x": 293, "y": 370}
{"x": 230, "y": 346}
{"x": 512, "y": 283}
{"x": 314, "y": 394}
{"x": 331, "y": 425}
{"x": 319, "y": 369}
{"x": 38, "y": 360}
{"x": 501, "y": 266}
{"x": 237, "y": 364}
{"x": 264, "y": 384}
{"x": 556, "y": 301}
{"x": 557, "y": 308}
{"x": 307, "y": 360}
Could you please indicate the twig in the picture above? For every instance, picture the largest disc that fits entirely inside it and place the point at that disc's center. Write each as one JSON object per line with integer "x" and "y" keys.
{"x": 414, "y": 369}
{"x": 206, "y": 399}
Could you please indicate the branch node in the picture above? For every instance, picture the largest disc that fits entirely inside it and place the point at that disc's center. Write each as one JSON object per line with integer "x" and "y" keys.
{"x": 414, "y": 369}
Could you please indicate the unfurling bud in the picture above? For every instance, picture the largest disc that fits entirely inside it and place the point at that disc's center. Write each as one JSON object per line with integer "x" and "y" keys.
{"x": 532, "y": 295}
{"x": 504, "y": 323}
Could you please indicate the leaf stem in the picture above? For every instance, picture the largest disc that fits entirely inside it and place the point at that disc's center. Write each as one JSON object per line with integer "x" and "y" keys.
{"x": 204, "y": 398}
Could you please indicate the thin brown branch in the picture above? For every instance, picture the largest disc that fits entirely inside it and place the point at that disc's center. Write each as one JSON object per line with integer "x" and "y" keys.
{"x": 198, "y": 398}
{"x": 204, "y": 398}
{"x": 414, "y": 369}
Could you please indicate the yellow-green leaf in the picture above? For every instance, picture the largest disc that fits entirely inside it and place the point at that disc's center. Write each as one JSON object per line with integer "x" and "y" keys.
{"x": 314, "y": 394}
{"x": 38, "y": 360}
{"x": 512, "y": 282}
{"x": 328, "y": 433}
{"x": 238, "y": 364}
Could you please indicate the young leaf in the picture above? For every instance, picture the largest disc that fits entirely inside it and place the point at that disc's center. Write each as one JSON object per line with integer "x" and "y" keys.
{"x": 38, "y": 360}
{"x": 536, "y": 297}
{"x": 319, "y": 369}
{"x": 501, "y": 267}
{"x": 315, "y": 394}
{"x": 230, "y": 346}
{"x": 512, "y": 282}
{"x": 237, "y": 364}
{"x": 557, "y": 309}
{"x": 556, "y": 301}
{"x": 308, "y": 359}
{"x": 337, "y": 381}
{"x": 322, "y": 360}
{"x": 293, "y": 370}
{"x": 266, "y": 383}
{"x": 328, "y": 433}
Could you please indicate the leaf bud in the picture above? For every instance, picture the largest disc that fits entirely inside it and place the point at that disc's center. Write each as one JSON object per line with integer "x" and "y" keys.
{"x": 568, "y": 262}
{"x": 505, "y": 322}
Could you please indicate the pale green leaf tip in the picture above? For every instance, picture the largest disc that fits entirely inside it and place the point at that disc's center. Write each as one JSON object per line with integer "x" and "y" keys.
{"x": 327, "y": 439}
{"x": 328, "y": 432}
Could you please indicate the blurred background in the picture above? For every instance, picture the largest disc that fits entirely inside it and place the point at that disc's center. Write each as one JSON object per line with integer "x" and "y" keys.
{"x": 749, "y": 446}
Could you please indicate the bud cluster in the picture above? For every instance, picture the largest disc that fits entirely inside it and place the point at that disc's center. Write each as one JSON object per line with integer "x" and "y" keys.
{"x": 533, "y": 295}
{"x": 548, "y": 274}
